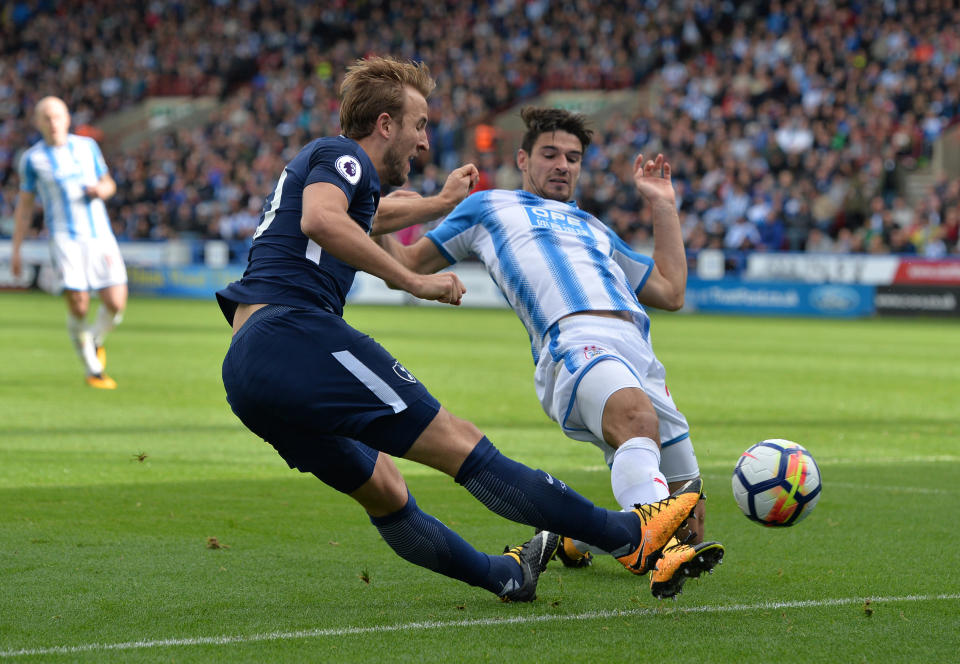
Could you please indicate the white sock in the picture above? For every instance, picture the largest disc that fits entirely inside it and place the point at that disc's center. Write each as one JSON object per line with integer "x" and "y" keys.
{"x": 82, "y": 340}
{"x": 106, "y": 320}
{"x": 635, "y": 477}
{"x": 635, "y": 473}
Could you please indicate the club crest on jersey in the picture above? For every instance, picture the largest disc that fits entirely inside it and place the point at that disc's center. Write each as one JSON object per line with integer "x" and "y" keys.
{"x": 591, "y": 352}
{"x": 401, "y": 371}
{"x": 349, "y": 168}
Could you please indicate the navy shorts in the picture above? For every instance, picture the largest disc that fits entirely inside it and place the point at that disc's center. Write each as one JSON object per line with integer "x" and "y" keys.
{"x": 326, "y": 396}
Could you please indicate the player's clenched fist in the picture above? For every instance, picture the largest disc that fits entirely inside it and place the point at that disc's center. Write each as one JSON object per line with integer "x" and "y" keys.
{"x": 443, "y": 287}
{"x": 460, "y": 182}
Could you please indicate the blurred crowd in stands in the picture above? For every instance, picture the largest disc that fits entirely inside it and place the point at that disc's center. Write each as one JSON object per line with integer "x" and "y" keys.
{"x": 791, "y": 125}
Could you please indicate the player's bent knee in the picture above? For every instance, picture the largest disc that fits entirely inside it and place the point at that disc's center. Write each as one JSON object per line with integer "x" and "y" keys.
{"x": 629, "y": 414}
{"x": 78, "y": 302}
{"x": 115, "y": 298}
{"x": 386, "y": 490}
{"x": 445, "y": 443}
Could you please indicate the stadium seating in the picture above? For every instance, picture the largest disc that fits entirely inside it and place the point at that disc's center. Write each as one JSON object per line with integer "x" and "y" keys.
{"x": 784, "y": 121}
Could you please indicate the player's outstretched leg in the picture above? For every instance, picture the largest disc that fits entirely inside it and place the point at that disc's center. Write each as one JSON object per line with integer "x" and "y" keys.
{"x": 659, "y": 521}
{"x": 422, "y": 540}
{"x": 536, "y": 498}
{"x": 681, "y": 562}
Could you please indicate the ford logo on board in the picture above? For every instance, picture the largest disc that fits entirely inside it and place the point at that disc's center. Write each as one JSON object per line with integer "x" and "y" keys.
{"x": 835, "y": 298}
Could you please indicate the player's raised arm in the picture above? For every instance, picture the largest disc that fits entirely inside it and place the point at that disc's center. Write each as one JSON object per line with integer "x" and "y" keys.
{"x": 421, "y": 257}
{"x": 667, "y": 283}
{"x": 325, "y": 221}
{"x": 396, "y": 212}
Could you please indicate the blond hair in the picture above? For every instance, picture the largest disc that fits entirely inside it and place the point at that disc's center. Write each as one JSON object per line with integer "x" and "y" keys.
{"x": 376, "y": 85}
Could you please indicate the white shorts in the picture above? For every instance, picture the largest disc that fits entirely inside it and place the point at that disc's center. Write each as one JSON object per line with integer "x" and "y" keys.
{"x": 624, "y": 356}
{"x": 89, "y": 264}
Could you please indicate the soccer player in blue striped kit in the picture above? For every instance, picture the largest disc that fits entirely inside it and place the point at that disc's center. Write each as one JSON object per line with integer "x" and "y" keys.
{"x": 336, "y": 404}
{"x": 579, "y": 291}
{"x": 72, "y": 180}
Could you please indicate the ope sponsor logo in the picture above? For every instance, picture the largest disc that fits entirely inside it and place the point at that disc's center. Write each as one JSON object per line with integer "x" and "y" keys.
{"x": 559, "y": 221}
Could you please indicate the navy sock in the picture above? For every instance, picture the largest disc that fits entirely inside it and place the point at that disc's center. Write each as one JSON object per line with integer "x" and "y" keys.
{"x": 535, "y": 498}
{"x": 423, "y": 540}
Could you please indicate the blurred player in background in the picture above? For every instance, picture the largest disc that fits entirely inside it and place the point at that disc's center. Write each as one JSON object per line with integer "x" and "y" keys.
{"x": 336, "y": 404}
{"x": 579, "y": 291}
{"x": 71, "y": 177}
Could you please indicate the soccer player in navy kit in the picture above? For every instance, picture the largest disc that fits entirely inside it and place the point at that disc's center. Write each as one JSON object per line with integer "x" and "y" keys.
{"x": 336, "y": 404}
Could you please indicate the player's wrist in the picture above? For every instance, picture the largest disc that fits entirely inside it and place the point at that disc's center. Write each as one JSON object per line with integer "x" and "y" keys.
{"x": 447, "y": 200}
{"x": 410, "y": 282}
{"x": 662, "y": 203}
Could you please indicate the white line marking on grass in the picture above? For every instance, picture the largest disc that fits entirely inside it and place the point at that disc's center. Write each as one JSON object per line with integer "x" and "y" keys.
{"x": 480, "y": 622}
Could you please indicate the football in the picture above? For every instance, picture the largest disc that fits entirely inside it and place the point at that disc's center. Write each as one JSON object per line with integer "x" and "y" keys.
{"x": 776, "y": 482}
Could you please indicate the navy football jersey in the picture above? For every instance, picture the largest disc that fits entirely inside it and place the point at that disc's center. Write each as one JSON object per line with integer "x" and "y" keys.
{"x": 284, "y": 265}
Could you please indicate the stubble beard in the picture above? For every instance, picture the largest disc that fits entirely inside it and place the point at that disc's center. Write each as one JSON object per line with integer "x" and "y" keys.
{"x": 393, "y": 162}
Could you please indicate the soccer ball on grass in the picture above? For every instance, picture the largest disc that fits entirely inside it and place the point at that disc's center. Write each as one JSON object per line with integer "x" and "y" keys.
{"x": 776, "y": 482}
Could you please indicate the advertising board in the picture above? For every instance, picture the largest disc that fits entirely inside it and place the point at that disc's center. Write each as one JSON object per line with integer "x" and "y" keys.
{"x": 780, "y": 299}
{"x": 918, "y": 300}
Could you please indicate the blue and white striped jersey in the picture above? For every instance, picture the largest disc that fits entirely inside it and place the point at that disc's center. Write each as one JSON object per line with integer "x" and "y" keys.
{"x": 548, "y": 258}
{"x": 58, "y": 175}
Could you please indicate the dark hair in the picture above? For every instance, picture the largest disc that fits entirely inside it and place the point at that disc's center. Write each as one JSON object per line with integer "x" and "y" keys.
{"x": 374, "y": 86}
{"x": 548, "y": 120}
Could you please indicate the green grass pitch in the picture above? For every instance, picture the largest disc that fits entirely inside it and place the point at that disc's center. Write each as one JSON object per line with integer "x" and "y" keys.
{"x": 109, "y": 501}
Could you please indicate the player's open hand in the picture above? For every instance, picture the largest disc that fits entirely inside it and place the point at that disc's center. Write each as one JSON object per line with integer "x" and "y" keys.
{"x": 459, "y": 183}
{"x": 443, "y": 287}
{"x": 652, "y": 178}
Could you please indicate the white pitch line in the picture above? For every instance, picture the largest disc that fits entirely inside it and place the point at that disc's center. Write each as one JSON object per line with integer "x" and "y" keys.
{"x": 456, "y": 624}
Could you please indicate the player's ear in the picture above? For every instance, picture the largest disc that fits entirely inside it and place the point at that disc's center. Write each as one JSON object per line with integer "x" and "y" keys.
{"x": 522, "y": 159}
{"x": 384, "y": 125}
